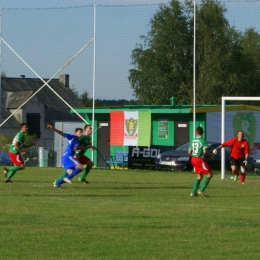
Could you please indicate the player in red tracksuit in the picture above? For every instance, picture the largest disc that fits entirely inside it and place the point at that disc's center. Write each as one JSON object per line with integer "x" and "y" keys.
{"x": 238, "y": 155}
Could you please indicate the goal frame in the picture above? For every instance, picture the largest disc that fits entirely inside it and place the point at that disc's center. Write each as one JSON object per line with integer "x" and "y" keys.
{"x": 223, "y": 110}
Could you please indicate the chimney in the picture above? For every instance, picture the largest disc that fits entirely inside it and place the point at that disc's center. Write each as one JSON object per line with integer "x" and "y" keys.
{"x": 172, "y": 99}
{"x": 22, "y": 76}
{"x": 64, "y": 79}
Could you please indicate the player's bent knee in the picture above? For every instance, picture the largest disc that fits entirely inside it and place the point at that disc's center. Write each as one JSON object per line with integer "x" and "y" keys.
{"x": 90, "y": 164}
{"x": 243, "y": 170}
{"x": 80, "y": 166}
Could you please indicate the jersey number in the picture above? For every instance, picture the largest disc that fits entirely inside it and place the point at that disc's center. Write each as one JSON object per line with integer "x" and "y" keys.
{"x": 195, "y": 148}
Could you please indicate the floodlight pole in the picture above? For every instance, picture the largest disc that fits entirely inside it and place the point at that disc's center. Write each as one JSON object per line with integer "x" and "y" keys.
{"x": 223, "y": 155}
{"x": 1, "y": 14}
{"x": 194, "y": 69}
{"x": 94, "y": 80}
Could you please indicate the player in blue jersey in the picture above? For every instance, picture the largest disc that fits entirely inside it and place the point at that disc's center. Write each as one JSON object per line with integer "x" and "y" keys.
{"x": 70, "y": 164}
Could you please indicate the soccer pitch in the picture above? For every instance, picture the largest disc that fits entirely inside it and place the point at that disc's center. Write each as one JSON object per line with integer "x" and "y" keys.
{"x": 128, "y": 215}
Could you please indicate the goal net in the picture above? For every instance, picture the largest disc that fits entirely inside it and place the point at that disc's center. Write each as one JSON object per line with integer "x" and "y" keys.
{"x": 233, "y": 117}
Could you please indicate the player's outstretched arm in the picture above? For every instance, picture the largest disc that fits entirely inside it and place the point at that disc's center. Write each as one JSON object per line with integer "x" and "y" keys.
{"x": 207, "y": 153}
{"x": 90, "y": 146}
{"x": 28, "y": 145}
{"x": 55, "y": 130}
{"x": 81, "y": 149}
{"x": 215, "y": 151}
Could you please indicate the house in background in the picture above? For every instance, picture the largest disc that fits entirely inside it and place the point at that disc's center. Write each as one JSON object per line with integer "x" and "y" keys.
{"x": 45, "y": 107}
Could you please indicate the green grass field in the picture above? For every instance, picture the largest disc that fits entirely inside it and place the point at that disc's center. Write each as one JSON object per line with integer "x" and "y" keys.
{"x": 128, "y": 215}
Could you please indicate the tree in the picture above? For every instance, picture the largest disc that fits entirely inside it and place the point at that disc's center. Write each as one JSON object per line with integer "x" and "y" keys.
{"x": 162, "y": 63}
{"x": 251, "y": 51}
{"x": 3, "y": 74}
{"x": 226, "y": 60}
{"x": 85, "y": 99}
{"x": 218, "y": 54}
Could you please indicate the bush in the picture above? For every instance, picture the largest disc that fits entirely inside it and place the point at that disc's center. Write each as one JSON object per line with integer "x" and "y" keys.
{"x": 6, "y": 141}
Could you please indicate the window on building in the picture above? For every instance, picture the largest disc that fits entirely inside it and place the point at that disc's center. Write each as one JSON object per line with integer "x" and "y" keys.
{"x": 34, "y": 124}
{"x": 163, "y": 128}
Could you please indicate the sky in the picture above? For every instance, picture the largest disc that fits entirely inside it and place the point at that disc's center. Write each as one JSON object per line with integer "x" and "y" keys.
{"x": 66, "y": 3}
{"x": 113, "y": 49}
{"x": 47, "y": 39}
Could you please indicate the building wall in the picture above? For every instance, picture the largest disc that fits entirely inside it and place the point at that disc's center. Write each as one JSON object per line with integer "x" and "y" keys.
{"x": 47, "y": 137}
{"x": 35, "y": 106}
{"x": 9, "y": 132}
{"x": 155, "y": 139}
{"x": 200, "y": 121}
{"x": 18, "y": 115}
{"x": 172, "y": 118}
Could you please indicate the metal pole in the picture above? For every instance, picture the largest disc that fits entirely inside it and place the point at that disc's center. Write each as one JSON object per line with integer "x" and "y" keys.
{"x": 94, "y": 79}
{"x": 1, "y": 99}
{"x": 223, "y": 107}
{"x": 45, "y": 83}
{"x": 194, "y": 70}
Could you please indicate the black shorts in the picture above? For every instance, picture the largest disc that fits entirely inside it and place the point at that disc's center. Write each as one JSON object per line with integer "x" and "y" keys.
{"x": 237, "y": 162}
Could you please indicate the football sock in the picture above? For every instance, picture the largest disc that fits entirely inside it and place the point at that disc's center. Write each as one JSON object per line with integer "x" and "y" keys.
{"x": 195, "y": 186}
{"x": 242, "y": 177}
{"x": 12, "y": 170}
{"x": 85, "y": 172}
{"x": 64, "y": 174}
{"x": 205, "y": 184}
{"x": 69, "y": 176}
{"x": 74, "y": 173}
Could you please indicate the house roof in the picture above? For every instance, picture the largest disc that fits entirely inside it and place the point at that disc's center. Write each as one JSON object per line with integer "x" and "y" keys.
{"x": 10, "y": 123}
{"x": 16, "y": 90}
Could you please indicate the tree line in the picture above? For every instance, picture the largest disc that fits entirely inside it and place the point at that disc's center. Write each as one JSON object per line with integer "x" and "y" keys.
{"x": 227, "y": 60}
{"x": 88, "y": 102}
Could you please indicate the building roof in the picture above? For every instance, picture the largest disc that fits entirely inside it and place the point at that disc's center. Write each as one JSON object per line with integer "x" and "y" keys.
{"x": 16, "y": 90}
{"x": 168, "y": 109}
{"x": 10, "y": 123}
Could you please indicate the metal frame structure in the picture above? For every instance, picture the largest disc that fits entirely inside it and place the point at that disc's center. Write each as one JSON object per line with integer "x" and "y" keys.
{"x": 45, "y": 82}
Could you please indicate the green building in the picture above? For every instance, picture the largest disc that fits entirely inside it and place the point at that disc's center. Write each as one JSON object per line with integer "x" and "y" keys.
{"x": 171, "y": 125}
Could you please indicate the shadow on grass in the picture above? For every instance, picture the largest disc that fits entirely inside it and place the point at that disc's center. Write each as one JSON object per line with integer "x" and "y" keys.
{"x": 66, "y": 195}
{"x": 138, "y": 188}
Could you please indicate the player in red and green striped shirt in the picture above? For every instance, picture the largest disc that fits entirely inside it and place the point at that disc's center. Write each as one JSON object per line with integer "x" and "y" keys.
{"x": 197, "y": 149}
{"x": 16, "y": 151}
{"x": 84, "y": 141}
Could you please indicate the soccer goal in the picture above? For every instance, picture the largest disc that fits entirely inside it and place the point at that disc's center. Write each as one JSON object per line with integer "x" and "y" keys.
{"x": 246, "y": 121}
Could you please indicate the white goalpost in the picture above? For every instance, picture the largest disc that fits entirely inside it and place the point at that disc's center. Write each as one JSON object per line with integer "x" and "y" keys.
{"x": 223, "y": 113}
